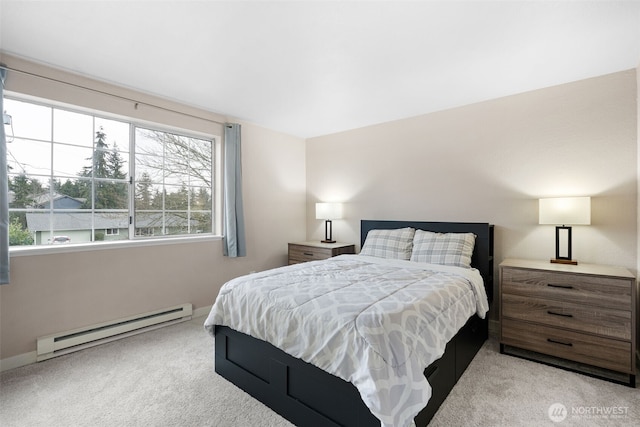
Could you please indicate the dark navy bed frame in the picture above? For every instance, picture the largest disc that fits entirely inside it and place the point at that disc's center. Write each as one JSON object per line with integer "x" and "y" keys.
{"x": 309, "y": 396}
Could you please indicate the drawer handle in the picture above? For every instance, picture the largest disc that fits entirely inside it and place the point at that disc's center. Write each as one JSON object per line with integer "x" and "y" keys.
{"x": 559, "y": 314}
{"x": 568, "y": 344}
{"x": 308, "y": 253}
{"x": 551, "y": 285}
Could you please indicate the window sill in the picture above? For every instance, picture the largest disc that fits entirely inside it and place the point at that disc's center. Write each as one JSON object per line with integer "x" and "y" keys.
{"x": 85, "y": 247}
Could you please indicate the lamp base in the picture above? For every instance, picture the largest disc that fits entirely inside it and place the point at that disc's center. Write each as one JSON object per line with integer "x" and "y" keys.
{"x": 327, "y": 241}
{"x": 564, "y": 261}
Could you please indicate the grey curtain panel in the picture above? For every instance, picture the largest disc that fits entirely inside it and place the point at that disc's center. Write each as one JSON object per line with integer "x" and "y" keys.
{"x": 233, "y": 228}
{"x": 4, "y": 191}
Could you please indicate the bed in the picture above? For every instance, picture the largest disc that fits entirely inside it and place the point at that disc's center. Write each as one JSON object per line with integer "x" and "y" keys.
{"x": 342, "y": 390}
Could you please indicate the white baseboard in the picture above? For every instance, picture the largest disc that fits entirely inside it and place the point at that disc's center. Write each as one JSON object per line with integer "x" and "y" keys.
{"x": 18, "y": 361}
{"x": 29, "y": 358}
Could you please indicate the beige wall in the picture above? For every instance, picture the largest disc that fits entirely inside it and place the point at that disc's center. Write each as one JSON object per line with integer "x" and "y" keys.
{"x": 57, "y": 292}
{"x": 490, "y": 162}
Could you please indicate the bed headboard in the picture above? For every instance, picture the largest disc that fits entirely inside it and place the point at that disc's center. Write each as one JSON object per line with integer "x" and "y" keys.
{"x": 482, "y": 257}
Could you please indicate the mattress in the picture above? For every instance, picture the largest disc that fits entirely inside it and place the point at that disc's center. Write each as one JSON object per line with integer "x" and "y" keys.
{"x": 374, "y": 322}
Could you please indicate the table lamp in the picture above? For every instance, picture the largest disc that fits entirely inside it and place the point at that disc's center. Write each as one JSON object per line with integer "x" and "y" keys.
{"x": 328, "y": 212}
{"x": 564, "y": 212}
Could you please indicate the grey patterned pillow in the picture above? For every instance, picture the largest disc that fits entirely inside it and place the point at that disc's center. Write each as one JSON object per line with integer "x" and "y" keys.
{"x": 443, "y": 248}
{"x": 393, "y": 244}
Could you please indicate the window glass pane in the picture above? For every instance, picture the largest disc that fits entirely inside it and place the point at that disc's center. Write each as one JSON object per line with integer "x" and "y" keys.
{"x": 176, "y": 223}
{"x": 199, "y": 177}
{"x": 110, "y": 195}
{"x": 110, "y": 159}
{"x": 149, "y": 168}
{"x": 160, "y": 224}
{"x": 71, "y": 161}
{"x": 19, "y": 232}
{"x": 68, "y": 227}
{"x": 149, "y": 142}
{"x": 38, "y": 223}
{"x": 176, "y": 179}
{"x": 117, "y": 133}
{"x": 176, "y": 197}
{"x": 71, "y": 193}
{"x": 60, "y": 200}
{"x": 148, "y": 196}
{"x": 29, "y": 157}
{"x": 23, "y": 191}
{"x": 72, "y": 128}
{"x": 201, "y": 222}
{"x": 28, "y": 120}
{"x": 197, "y": 182}
{"x": 201, "y": 199}
{"x": 111, "y": 226}
{"x": 149, "y": 223}
{"x": 200, "y": 161}
{"x": 173, "y": 177}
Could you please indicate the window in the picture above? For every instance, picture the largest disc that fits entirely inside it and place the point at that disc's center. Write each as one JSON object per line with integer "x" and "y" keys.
{"x": 173, "y": 184}
{"x": 76, "y": 177}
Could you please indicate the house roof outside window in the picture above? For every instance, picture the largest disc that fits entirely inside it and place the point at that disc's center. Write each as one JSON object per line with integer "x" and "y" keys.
{"x": 60, "y": 201}
{"x": 39, "y": 221}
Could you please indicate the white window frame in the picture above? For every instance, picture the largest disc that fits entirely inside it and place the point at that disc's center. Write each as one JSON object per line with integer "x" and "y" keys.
{"x": 133, "y": 239}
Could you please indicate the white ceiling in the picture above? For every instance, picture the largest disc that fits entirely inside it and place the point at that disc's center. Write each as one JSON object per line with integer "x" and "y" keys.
{"x": 311, "y": 68}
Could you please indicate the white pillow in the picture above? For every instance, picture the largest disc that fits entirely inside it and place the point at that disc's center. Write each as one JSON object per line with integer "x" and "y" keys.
{"x": 443, "y": 248}
{"x": 392, "y": 244}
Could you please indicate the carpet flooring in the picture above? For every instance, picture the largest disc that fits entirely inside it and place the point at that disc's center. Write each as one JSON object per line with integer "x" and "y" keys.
{"x": 166, "y": 378}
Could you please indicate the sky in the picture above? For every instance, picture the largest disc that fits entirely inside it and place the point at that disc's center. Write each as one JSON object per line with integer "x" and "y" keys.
{"x": 29, "y": 137}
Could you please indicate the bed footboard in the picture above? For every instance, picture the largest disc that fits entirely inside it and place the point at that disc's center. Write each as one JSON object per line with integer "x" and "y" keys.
{"x": 309, "y": 396}
{"x": 299, "y": 391}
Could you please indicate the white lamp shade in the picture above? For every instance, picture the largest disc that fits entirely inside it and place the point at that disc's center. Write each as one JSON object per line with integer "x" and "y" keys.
{"x": 565, "y": 211}
{"x": 328, "y": 210}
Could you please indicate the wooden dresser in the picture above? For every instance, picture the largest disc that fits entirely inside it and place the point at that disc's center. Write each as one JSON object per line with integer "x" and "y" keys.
{"x": 313, "y": 251}
{"x": 582, "y": 313}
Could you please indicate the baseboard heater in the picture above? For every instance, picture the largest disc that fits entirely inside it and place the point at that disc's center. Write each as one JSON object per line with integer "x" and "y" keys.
{"x": 79, "y": 339}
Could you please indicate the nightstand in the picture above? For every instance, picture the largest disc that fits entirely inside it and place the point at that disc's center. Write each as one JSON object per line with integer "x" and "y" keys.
{"x": 579, "y": 317}
{"x": 313, "y": 251}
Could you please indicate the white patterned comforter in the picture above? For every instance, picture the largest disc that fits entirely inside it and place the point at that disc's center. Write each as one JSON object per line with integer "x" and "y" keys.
{"x": 374, "y": 322}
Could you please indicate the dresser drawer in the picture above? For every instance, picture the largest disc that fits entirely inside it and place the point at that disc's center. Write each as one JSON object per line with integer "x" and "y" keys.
{"x": 300, "y": 253}
{"x": 314, "y": 251}
{"x": 584, "y": 318}
{"x": 578, "y": 288}
{"x": 606, "y": 353}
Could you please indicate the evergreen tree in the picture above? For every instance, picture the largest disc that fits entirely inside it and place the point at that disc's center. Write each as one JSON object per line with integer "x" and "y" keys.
{"x": 203, "y": 199}
{"x": 69, "y": 188}
{"x": 25, "y": 193}
{"x": 115, "y": 164}
{"x": 200, "y": 201}
{"x": 144, "y": 198}
{"x": 178, "y": 200}
{"x": 158, "y": 202}
{"x": 105, "y": 164}
{"x": 98, "y": 168}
